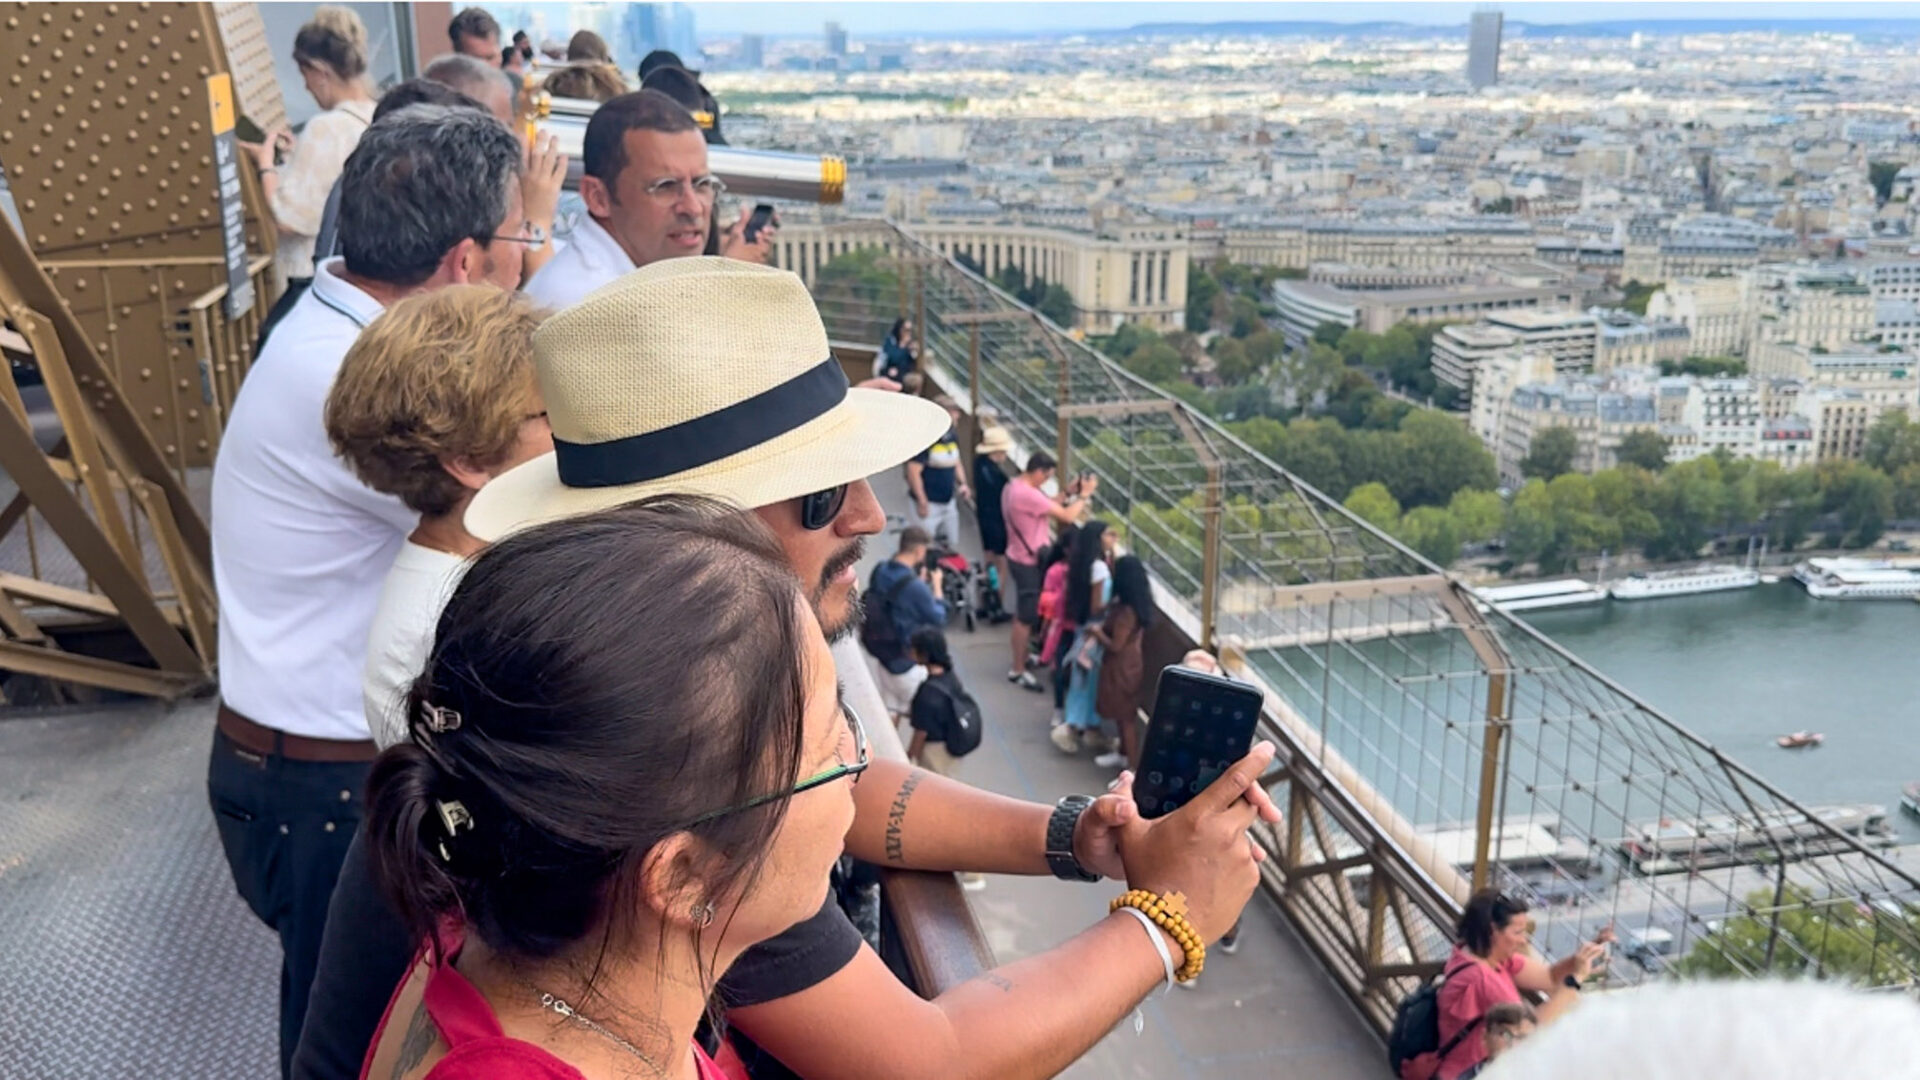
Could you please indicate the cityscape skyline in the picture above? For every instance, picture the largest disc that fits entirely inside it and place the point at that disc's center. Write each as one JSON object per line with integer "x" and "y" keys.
{"x": 720, "y": 19}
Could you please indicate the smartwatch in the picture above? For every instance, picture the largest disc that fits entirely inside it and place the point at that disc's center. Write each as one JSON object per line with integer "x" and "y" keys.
{"x": 1060, "y": 857}
{"x": 1570, "y": 983}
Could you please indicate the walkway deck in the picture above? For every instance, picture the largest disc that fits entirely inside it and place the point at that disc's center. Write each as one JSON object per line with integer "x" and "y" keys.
{"x": 1269, "y": 1010}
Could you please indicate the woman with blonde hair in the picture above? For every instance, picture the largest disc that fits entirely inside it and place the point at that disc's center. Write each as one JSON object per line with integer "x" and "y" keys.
{"x": 588, "y": 80}
{"x": 296, "y": 175}
{"x": 435, "y": 398}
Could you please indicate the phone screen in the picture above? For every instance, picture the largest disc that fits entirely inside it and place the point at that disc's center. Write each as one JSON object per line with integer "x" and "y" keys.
{"x": 762, "y": 215}
{"x": 1201, "y": 725}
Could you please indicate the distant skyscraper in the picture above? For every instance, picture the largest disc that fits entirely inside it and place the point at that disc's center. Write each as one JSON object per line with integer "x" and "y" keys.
{"x": 1483, "y": 49}
{"x": 836, "y": 39}
{"x": 753, "y": 51}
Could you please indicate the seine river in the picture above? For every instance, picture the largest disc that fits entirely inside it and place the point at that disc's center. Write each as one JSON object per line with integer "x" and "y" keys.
{"x": 1739, "y": 668}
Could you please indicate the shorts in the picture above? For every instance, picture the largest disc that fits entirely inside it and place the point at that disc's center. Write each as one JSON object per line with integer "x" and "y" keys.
{"x": 936, "y": 759}
{"x": 897, "y": 690}
{"x": 1026, "y": 587}
{"x": 993, "y": 535}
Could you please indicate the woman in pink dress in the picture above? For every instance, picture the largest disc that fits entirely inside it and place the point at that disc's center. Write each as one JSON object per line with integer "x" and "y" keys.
{"x": 629, "y": 762}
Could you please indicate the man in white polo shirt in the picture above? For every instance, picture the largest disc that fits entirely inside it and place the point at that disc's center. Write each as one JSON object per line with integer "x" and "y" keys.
{"x": 649, "y": 197}
{"x": 431, "y": 197}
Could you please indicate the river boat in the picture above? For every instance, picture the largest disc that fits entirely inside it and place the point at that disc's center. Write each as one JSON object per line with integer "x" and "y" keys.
{"x": 1671, "y": 845}
{"x": 1860, "y": 579}
{"x": 1537, "y": 595}
{"x": 1698, "y": 579}
{"x": 1910, "y": 798}
{"x": 1800, "y": 740}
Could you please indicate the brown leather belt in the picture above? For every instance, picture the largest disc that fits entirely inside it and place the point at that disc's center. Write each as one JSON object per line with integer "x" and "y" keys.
{"x": 264, "y": 740}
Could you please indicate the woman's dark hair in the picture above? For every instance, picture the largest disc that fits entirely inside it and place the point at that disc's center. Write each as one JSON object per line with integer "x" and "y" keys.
{"x": 1487, "y": 913}
{"x": 615, "y": 677}
{"x": 1131, "y": 587}
{"x": 1086, "y": 549}
{"x": 1061, "y": 547}
{"x": 929, "y": 642}
{"x": 893, "y": 333}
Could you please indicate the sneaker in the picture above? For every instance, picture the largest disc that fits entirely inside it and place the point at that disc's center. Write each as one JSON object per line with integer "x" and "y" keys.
{"x": 972, "y": 882}
{"x": 1112, "y": 759}
{"x": 1229, "y": 944}
{"x": 1058, "y": 719}
{"x": 1101, "y": 741}
{"x": 1025, "y": 681}
{"x": 1190, "y": 984}
{"x": 1064, "y": 737}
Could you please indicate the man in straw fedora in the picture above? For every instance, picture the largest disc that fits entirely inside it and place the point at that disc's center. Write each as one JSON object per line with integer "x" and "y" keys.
{"x": 752, "y": 409}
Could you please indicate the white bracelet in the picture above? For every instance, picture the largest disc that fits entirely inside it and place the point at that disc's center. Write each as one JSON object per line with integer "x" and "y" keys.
{"x": 1159, "y": 943}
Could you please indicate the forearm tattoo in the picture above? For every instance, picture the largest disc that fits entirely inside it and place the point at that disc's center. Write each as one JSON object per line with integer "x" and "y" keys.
{"x": 897, "y": 816}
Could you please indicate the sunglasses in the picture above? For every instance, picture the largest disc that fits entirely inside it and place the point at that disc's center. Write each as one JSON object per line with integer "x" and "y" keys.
{"x": 861, "y": 759}
{"x": 818, "y": 510}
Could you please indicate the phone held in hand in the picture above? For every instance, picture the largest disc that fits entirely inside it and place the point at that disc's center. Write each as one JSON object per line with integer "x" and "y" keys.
{"x": 1201, "y": 725}
{"x": 762, "y": 217}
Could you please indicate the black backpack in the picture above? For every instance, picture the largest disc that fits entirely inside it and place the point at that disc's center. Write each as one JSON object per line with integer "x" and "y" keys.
{"x": 963, "y": 736}
{"x": 1416, "y": 1031}
{"x": 879, "y": 633}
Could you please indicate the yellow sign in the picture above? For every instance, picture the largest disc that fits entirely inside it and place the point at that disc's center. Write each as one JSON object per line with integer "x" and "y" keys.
{"x": 220, "y": 96}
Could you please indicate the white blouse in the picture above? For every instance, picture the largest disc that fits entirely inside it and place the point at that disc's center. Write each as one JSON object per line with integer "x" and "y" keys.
{"x": 319, "y": 156}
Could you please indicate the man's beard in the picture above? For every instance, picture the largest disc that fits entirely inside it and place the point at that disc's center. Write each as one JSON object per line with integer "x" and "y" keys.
{"x": 846, "y": 557}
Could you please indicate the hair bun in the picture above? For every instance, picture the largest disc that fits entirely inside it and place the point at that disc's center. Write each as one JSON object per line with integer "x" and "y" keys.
{"x": 342, "y": 21}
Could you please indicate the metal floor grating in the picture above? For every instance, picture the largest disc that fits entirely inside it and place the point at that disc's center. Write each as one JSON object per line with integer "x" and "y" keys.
{"x": 124, "y": 950}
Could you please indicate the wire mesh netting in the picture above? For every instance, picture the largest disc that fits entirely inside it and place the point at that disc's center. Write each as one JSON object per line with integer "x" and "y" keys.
{"x": 1465, "y": 736}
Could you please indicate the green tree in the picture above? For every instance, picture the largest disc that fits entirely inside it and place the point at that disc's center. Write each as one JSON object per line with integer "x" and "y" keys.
{"x": 1264, "y": 347}
{"x": 1372, "y": 502}
{"x": 1246, "y": 316}
{"x": 1645, "y": 448}
{"x": 1852, "y": 942}
{"x": 1637, "y": 296}
{"x": 1155, "y": 361}
{"x": 1433, "y": 532}
{"x": 1012, "y": 280}
{"x": 1530, "y": 531}
{"x": 1128, "y": 337}
{"x": 1056, "y": 303}
{"x": 863, "y": 296}
{"x": 1688, "y": 502}
{"x": 1315, "y": 453}
{"x": 1442, "y": 457}
{"x": 1328, "y": 333}
{"x": 1201, "y": 290}
{"x": 1551, "y": 453}
{"x": 1861, "y": 499}
{"x": 1880, "y": 174}
{"x": 1893, "y": 442}
{"x": 1712, "y": 367}
{"x": 1479, "y": 514}
{"x": 1264, "y": 434}
{"x": 1353, "y": 346}
{"x": 1622, "y": 495}
{"x": 1230, "y": 361}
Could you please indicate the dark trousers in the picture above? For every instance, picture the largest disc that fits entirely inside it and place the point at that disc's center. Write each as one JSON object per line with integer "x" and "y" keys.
{"x": 363, "y": 957}
{"x": 285, "y": 826}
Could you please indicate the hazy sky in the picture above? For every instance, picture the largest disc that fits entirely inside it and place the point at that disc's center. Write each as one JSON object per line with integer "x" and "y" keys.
{"x": 902, "y": 16}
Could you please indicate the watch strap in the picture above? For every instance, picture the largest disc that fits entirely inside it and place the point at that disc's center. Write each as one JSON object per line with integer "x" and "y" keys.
{"x": 1060, "y": 828}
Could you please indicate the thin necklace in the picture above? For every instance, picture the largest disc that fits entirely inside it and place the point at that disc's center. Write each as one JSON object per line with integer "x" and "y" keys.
{"x": 557, "y": 1005}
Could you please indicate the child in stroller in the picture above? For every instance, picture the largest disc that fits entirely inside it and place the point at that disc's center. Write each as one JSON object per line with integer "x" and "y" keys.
{"x": 965, "y": 589}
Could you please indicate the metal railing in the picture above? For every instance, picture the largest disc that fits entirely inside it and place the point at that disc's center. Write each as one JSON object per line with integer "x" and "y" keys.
{"x": 1427, "y": 746}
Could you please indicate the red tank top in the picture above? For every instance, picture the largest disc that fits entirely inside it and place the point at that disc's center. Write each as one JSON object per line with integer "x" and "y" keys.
{"x": 477, "y": 1048}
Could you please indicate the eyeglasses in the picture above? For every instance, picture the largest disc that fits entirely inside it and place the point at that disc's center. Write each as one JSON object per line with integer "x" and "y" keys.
{"x": 818, "y": 510}
{"x": 861, "y": 759}
{"x": 531, "y": 235}
{"x": 666, "y": 190}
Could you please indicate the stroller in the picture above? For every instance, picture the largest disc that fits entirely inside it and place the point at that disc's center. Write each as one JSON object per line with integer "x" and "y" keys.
{"x": 957, "y": 579}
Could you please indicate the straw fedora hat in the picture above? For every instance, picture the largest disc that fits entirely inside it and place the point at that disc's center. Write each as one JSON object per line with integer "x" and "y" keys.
{"x": 697, "y": 376}
{"x": 993, "y": 441}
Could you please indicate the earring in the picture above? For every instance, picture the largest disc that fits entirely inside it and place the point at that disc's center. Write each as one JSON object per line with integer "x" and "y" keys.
{"x": 703, "y": 915}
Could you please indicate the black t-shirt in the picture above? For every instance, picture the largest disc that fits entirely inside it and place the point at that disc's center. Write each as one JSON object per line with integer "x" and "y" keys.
{"x": 808, "y": 954}
{"x": 940, "y": 463}
{"x": 932, "y": 709}
{"x": 989, "y": 479}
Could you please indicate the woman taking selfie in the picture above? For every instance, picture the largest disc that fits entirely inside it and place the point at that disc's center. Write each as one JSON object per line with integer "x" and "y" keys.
{"x": 630, "y": 761}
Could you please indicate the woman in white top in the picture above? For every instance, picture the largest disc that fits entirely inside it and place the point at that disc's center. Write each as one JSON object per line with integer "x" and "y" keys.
{"x": 436, "y": 397}
{"x": 332, "y": 54}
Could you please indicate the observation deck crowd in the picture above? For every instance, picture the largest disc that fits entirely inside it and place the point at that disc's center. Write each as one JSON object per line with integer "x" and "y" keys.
{"x": 536, "y": 573}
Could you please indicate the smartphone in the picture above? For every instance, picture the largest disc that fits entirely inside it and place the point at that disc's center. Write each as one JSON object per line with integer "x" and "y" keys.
{"x": 246, "y": 130}
{"x": 762, "y": 217}
{"x": 1201, "y": 725}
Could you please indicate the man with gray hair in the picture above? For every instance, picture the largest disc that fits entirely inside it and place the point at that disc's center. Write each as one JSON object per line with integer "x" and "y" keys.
{"x": 477, "y": 79}
{"x": 431, "y": 197}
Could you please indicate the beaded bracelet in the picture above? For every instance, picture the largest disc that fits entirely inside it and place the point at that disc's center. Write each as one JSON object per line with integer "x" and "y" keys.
{"x": 1169, "y": 912}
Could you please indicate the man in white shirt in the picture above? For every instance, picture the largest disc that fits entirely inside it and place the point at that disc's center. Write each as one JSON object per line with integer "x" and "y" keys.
{"x": 431, "y": 198}
{"x": 648, "y": 194}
